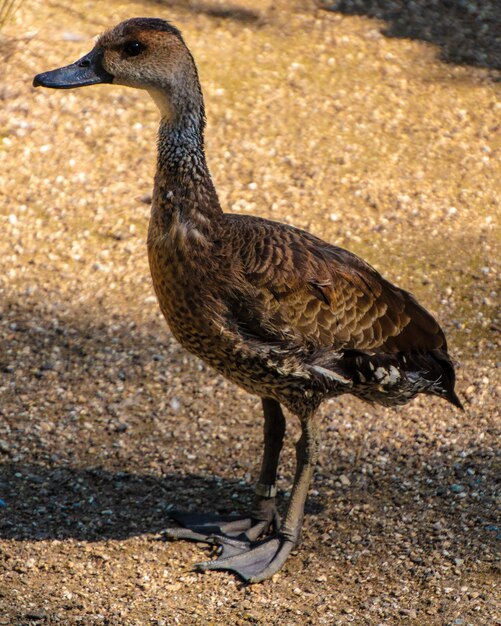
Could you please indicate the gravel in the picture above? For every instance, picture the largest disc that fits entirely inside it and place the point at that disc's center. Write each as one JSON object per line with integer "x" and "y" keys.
{"x": 315, "y": 118}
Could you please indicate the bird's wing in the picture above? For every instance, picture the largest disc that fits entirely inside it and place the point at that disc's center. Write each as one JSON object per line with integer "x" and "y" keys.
{"x": 296, "y": 288}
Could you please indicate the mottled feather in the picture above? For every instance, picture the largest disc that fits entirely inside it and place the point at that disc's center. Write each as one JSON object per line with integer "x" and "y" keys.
{"x": 322, "y": 295}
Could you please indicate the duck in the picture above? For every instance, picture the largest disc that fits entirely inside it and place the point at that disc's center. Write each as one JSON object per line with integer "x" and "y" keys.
{"x": 276, "y": 310}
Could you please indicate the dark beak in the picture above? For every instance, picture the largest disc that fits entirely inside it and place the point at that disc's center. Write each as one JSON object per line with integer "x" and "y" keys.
{"x": 86, "y": 71}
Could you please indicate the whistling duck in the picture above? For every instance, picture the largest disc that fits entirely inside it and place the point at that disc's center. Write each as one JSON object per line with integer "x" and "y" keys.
{"x": 286, "y": 316}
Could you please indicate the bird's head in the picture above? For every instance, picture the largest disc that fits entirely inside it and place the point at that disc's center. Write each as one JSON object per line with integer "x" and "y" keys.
{"x": 145, "y": 53}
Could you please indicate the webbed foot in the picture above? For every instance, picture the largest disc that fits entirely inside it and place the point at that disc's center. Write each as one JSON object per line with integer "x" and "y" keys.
{"x": 261, "y": 560}
{"x": 233, "y": 533}
{"x": 203, "y": 526}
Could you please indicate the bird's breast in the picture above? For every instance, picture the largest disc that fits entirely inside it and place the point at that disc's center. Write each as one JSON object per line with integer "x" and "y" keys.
{"x": 182, "y": 299}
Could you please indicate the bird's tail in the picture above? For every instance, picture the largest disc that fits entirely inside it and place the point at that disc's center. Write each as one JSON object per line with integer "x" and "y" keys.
{"x": 447, "y": 378}
{"x": 395, "y": 378}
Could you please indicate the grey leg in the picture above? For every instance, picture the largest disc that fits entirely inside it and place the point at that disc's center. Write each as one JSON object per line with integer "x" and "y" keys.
{"x": 266, "y": 557}
{"x": 306, "y": 459}
{"x": 264, "y": 510}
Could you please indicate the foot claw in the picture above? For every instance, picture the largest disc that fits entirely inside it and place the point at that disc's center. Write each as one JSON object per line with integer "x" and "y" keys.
{"x": 202, "y": 566}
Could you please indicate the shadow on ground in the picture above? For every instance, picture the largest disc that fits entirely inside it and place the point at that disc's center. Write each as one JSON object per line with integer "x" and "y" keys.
{"x": 94, "y": 504}
{"x": 227, "y": 11}
{"x": 467, "y": 31}
{"x": 55, "y": 487}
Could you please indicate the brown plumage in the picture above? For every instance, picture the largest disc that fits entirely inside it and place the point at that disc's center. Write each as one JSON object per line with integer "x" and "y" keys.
{"x": 278, "y": 311}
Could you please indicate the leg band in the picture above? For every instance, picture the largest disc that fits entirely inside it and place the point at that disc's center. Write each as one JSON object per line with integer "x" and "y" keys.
{"x": 265, "y": 491}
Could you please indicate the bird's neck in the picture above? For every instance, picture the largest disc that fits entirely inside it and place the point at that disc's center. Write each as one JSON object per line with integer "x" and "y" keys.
{"x": 184, "y": 192}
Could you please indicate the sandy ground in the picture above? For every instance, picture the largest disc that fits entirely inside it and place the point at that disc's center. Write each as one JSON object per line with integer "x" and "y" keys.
{"x": 316, "y": 118}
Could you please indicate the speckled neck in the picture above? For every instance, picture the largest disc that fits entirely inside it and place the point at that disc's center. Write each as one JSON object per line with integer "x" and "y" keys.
{"x": 183, "y": 184}
{"x": 181, "y": 156}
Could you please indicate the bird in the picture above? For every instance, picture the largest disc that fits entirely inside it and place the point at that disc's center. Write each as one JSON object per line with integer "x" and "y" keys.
{"x": 279, "y": 312}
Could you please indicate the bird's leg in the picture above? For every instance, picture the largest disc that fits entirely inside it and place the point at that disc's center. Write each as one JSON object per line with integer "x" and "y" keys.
{"x": 267, "y": 556}
{"x": 233, "y": 533}
{"x": 264, "y": 508}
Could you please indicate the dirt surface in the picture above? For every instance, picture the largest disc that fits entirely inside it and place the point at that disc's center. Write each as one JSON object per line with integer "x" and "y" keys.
{"x": 315, "y": 118}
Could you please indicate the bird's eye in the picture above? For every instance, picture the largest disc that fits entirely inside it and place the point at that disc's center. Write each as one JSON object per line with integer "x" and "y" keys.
{"x": 133, "y": 48}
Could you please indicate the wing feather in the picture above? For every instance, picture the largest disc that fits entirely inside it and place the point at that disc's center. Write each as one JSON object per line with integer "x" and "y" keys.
{"x": 292, "y": 284}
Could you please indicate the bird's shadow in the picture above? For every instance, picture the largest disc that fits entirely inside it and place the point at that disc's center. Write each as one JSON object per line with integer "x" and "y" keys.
{"x": 94, "y": 504}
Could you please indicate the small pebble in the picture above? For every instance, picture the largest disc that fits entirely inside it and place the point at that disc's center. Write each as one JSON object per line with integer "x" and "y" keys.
{"x": 68, "y": 35}
{"x": 175, "y": 404}
{"x": 36, "y": 615}
{"x": 491, "y": 528}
